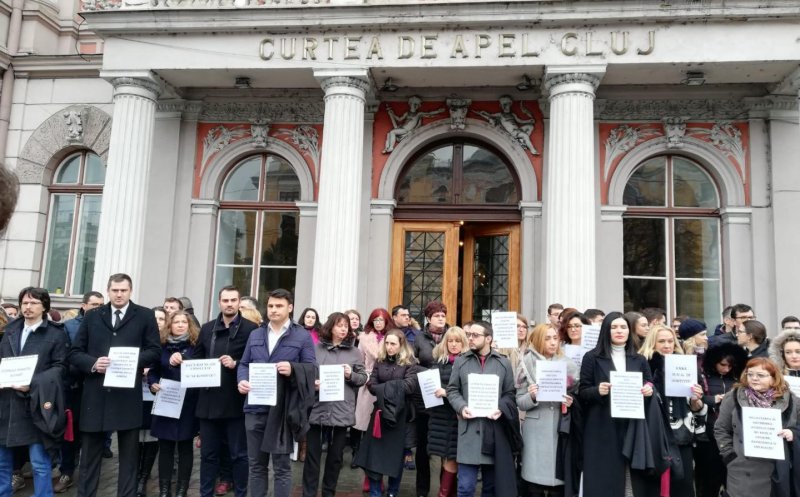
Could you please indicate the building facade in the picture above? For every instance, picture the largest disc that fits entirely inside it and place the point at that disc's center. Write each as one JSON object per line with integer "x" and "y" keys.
{"x": 495, "y": 155}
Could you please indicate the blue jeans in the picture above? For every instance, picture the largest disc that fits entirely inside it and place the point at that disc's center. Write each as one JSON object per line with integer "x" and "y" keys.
{"x": 41, "y": 465}
{"x": 468, "y": 479}
{"x": 394, "y": 486}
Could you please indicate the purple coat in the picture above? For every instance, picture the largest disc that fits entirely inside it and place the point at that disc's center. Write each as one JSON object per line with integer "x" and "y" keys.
{"x": 186, "y": 427}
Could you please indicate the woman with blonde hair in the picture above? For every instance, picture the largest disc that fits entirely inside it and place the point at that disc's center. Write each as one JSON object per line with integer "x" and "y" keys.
{"x": 443, "y": 422}
{"x": 540, "y": 426}
{"x": 252, "y": 315}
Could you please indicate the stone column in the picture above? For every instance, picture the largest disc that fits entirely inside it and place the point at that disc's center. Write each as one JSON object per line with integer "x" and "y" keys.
{"x": 569, "y": 199}
{"x": 121, "y": 234}
{"x": 337, "y": 248}
{"x": 531, "y": 232}
{"x": 380, "y": 253}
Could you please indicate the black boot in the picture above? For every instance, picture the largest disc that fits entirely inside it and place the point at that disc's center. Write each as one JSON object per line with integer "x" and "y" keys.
{"x": 147, "y": 456}
{"x": 181, "y": 488}
{"x": 164, "y": 489}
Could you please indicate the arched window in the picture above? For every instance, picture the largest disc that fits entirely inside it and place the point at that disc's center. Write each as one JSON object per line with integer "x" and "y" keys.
{"x": 258, "y": 227}
{"x": 75, "y": 197}
{"x": 672, "y": 239}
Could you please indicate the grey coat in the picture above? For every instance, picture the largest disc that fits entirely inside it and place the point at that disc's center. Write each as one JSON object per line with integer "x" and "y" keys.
{"x": 540, "y": 426}
{"x": 341, "y": 413}
{"x": 470, "y": 432}
{"x": 747, "y": 476}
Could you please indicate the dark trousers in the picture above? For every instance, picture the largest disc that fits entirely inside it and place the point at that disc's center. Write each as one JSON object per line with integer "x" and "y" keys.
{"x": 70, "y": 450}
{"x": 333, "y": 460}
{"x": 710, "y": 472}
{"x": 92, "y": 458}
{"x": 166, "y": 459}
{"x": 259, "y": 460}
{"x": 422, "y": 459}
{"x": 534, "y": 490}
{"x": 212, "y": 432}
{"x": 468, "y": 479}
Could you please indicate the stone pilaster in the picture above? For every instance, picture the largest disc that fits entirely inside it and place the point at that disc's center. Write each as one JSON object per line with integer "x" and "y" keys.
{"x": 121, "y": 234}
{"x": 339, "y": 216}
{"x": 569, "y": 199}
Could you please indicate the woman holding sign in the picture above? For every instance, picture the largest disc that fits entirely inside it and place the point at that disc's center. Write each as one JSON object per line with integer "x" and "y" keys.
{"x": 540, "y": 427}
{"x": 761, "y": 386}
{"x": 335, "y": 348}
{"x": 679, "y": 411}
{"x": 178, "y": 342}
{"x": 607, "y": 472}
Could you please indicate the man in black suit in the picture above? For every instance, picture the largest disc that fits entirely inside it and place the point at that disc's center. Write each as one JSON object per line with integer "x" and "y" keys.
{"x": 120, "y": 323}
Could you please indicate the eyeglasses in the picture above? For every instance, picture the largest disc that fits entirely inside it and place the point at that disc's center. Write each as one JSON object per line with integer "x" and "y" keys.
{"x": 30, "y": 303}
{"x": 760, "y": 376}
{"x": 574, "y": 326}
{"x": 473, "y": 334}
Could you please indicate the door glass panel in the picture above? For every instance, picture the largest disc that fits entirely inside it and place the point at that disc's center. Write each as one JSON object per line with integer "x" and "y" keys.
{"x": 643, "y": 240}
{"x": 282, "y": 184}
{"x": 69, "y": 170}
{"x": 58, "y": 242}
{"x": 429, "y": 179}
{"x": 490, "y": 276}
{"x": 271, "y": 278}
{"x": 696, "y": 248}
{"x": 692, "y": 187}
{"x": 235, "y": 243}
{"x": 95, "y": 170}
{"x": 87, "y": 244}
{"x": 699, "y": 299}
{"x": 423, "y": 270}
{"x": 641, "y": 293}
{"x": 242, "y": 183}
{"x": 279, "y": 240}
{"x": 647, "y": 185}
{"x": 486, "y": 179}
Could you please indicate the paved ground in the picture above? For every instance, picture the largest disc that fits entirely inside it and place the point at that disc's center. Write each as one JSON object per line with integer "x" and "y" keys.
{"x": 350, "y": 480}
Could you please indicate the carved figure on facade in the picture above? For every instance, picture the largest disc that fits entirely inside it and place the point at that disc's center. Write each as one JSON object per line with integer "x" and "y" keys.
{"x": 73, "y": 118}
{"x": 259, "y": 130}
{"x": 458, "y": 107}
{"x": 725, "y": 137}
{"x": 306, "y": 139}
{"x": 405, "y": 124}
{"x": 220, "y": 137}
{"x": 675, "y": 131}
{"x": 623, "y": 138}
{"x": 518, "y": 128}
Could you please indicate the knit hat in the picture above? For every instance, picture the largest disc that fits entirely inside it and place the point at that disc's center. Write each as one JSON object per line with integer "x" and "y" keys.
{"x": 690, "y": 328}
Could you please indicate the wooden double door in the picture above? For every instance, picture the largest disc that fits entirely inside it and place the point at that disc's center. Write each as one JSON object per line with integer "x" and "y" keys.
{"x": 472, "y": 267}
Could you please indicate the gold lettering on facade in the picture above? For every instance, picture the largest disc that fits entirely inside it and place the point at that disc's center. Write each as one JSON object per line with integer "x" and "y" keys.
{"x": 290, "y": 55}
{"x": 614, "y": 48}
{"x": 330, "y": 42}
{"x": 481, "y": 41}
{"x": 526, "y": 52}
{"x": 651, "y": 37}
{"x": 266, "y": 49}
{"x": 375, "y": 49}
{"x": 506, "y": 48}
{"x": 309, "y": 47}
{"x": 404, "y": 52}
{"x": 427, "y": 47}
{"x": 567, "y": 48}
{"x": 459, "y": 48}
{"x": 351, "y": 48}
{"x": 589, "y": 48}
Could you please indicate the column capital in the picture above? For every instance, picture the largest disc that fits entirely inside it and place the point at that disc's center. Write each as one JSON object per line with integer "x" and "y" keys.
{"x": 353, "y": 81}
{"x": 573, "y": 78}
{"x": 143, "y": 84}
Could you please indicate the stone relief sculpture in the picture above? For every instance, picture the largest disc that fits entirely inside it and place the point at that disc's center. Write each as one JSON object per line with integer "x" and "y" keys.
{"x": 519, "y": 129}
{"x": 306, "y": 139}
{"x": 675, "y": 130}
{"x": 218, "y": 138}
{"x": 259, "y": 130}
{"x": 74, "y": 121}
{"x": 458, "y": 107}
{"x": 405, "y": 124}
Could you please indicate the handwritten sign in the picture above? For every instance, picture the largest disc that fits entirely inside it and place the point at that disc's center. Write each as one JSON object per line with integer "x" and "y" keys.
{"x": 760, "y": 427}
{"x": 483, "y": 391}
{"x": 263, "y": 384}
{"x": 169, "y": 399}
{"x": 201, "y": 373}
{"x": 331, "y": 383}
{"x": 429, "y": 382}
{"x": 680, "y": 374}
{"x": 17, "y": 371}
{"x": 590, "y": 333}
{"x": 121, "y": 373}
{"x": 504, "y": 326}
{"x": 551, "y": 377}
{"x": 627, "y": 400}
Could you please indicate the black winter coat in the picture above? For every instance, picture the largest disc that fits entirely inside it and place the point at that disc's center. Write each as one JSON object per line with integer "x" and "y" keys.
{"x": 111, "y": 409}
{"x": 216, "y": 340}
{"x": 185, "y": 427}
{"x": 49, "y": 342}
{"x": 443, "y": 423}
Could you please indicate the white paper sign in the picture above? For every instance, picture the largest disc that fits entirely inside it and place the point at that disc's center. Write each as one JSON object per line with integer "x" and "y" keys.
{"x": 551, "y": 377}
{"x": 504, "y": 326}
{"x": 263, "y": 384}
{"x": 199, "y": 373}
{"x": 760, "y": 427}
{"x": 627, "y": 400}
{"x": 794, "y": 384}
{"x": 169, "y": 399}
{"x": 17, "y": 371}
{"x": 331, "y": 383}
{"x": 680, "y": 374}
{"x": 590, "y": 333}
{"x": 575, "y": 353}
{"x": 121, "y": 373}
{"x": 484, "y": 392}
{"x": 147, "y": 395}
{"x": 429, "y": 382}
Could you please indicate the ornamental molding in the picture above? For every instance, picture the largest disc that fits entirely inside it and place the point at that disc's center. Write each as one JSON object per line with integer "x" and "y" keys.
{"x": 297, "y": 112}
{"x": 353, "y": 82}
{"x": 458, "y": 108}
{"x": 147, "y": 84}
{"x": 76, "y": 126}
{"x": 675, "y": 129}
{"x": 306, "y": 140}
{"x": 553, "y": 80}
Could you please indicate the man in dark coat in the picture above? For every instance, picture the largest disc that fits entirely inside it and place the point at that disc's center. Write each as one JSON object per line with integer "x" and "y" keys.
{"x": 33, "y": 335}
{"x": 120, "y": 323}
{"x": 219, "y": 410}
{"x": 282, "y": 342}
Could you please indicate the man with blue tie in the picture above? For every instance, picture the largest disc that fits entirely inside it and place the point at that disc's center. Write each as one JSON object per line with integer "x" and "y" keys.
{"x": 34, "y": 335}
{"x": 120, "y": 323}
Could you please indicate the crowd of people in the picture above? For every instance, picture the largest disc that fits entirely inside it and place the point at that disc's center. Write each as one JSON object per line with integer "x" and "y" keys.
{"x": 522, "y": 445}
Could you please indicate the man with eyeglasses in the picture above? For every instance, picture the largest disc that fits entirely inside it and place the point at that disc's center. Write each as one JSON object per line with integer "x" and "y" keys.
{"x": 402, "y": 319}
{"x": 496, "y": 462}
{"x": 740, "y": 314}
{"x": 554, "y": 314}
